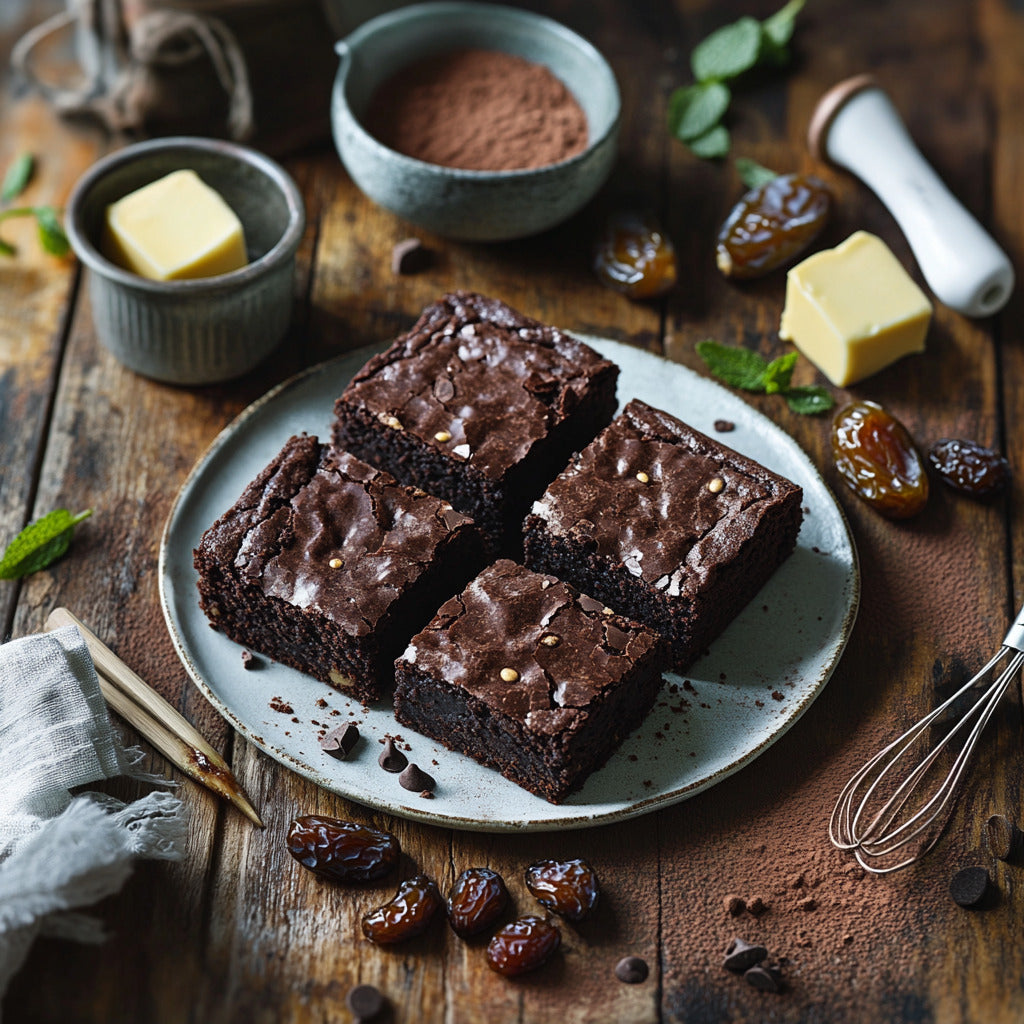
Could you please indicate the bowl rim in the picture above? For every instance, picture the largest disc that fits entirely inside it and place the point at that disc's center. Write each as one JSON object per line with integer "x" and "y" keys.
{"x": 454, "y": 8}
{"x": 282, "y": 250}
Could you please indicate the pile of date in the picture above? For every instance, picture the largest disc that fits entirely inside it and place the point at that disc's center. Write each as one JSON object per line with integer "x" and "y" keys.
{"x": 347, "y": 851}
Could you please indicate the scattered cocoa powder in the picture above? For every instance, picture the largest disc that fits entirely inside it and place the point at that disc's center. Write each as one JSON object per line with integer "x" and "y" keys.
{"x": 479, "y": 110}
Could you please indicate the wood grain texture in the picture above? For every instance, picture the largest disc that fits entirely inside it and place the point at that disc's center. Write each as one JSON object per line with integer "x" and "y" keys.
{"x": 237, "y": 931}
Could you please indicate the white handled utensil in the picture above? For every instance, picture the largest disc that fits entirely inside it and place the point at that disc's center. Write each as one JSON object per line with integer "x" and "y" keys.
{"x": 856, "y": 126}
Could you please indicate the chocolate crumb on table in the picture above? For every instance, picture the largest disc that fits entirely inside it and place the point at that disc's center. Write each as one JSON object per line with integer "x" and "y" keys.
{"x": 569, "y": 705}
{"x": 479, "y": 405}
{"x": 683, "y": 551}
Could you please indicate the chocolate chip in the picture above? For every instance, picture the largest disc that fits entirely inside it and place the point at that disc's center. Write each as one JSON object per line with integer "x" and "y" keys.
{"x": 444, "y": 389}
{"x": 735, "y": 905}
{"x": 632, "y": 970}
{"x": 409, "y": 256}
{"x": 1005, "y": 840}
{"x": 764, "y": 978}
{"x": 724, "y": 426}
{"x": 415, "y": 779}
{"x": 365, "y": 1001}
{"x": 391, "y": 758}
{"x": 339, "y": 742}
{"x": 741, "y": 955}
{"x": 248, "y": 661}
{"x": 969, "y": 887}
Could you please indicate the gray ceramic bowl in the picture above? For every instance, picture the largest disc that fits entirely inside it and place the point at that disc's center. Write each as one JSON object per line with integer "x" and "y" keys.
{"x": 208, "y": 329}
{"x": 474, "y": 205}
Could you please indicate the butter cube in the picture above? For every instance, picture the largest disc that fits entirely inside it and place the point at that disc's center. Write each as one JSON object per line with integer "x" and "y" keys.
{"x": 853, "y": 310}
{"x": 173, "y": 228}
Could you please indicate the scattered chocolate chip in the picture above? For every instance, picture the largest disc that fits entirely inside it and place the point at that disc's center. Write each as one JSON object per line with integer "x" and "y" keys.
{"x": 724, "y": 426}
{"x": 409, "y": 256}
{"x": 741, "y": 955}
{"x": 735, "y": 905}
{"x": 248, "y": 661}
{"x": 339, "y": 742}
{"x": 1005, "y": 840}
{"x": 764, "y": 978}
{"x": 632, "y": 970}
{"x": 427, "y": 795}
{"x": 391, "y": 758}
{"x": 365, "y": 1001}
{"x": 415, "y": 779}
{"x": 969, "y": 887}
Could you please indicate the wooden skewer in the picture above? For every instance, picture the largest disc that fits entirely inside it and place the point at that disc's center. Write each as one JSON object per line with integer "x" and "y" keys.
{"x": 141, "y": 706}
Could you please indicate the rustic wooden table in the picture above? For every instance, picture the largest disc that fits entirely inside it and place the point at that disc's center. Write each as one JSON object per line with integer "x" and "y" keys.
{"x": 237, "y": 931}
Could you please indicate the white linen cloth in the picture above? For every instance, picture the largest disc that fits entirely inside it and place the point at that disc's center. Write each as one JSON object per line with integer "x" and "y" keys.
{"x": 59, "y": 852}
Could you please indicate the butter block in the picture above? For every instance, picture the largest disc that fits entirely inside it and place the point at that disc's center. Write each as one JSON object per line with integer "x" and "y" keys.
{"x": 853, "y": 310}
{"x": 173, "y": 228}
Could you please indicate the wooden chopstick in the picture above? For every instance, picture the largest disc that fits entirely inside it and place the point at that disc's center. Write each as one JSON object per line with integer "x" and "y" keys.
{"x": 141, "y": 706}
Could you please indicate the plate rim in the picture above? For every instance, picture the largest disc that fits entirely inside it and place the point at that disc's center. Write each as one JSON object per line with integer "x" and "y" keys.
{"x": 386, "y": 804}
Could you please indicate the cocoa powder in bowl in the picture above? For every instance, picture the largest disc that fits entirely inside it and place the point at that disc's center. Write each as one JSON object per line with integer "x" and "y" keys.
{"x": 481, "y": 110}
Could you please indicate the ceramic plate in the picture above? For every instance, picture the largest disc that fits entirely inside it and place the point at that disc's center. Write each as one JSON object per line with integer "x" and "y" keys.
{"x": 758, "y": 679}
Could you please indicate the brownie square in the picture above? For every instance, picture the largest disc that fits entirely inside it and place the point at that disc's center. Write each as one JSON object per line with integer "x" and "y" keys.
{"x": 526, "y": 675}
{"x": 665, "y": 525}
{"x": 479, "y": 405}
{"x": 329, "y": 565}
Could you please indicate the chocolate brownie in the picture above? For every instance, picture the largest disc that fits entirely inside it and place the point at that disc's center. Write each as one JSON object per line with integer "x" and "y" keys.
{"x": 665, "y": 525}
{"x": 479, "y": 405}
{"x": 528, "y": 676}
{"x": 329, "y": 565}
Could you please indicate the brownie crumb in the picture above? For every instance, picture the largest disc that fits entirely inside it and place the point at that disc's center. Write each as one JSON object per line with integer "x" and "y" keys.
{"x": 724, "y": 426}
{"x": 248, "y": 660}
{"x": 281, "y": 706}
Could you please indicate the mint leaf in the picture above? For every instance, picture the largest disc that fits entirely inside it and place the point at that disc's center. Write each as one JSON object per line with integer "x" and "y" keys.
{"x": 6, "y": 249}
{"x": 40, "y": 544}
{"x": 51, "y": 234}
{"x": 728, "y": 51}
{"x": 752, "y": 174}
{"x": 733, "y": 365}
{"x": 696, "y": 109}
{"x": 779, "y": 27}
{"x": 17, "y": 177}
{"x": 712, "y": 145}
{"x": 778, "y": 373}
{"x": 809, "y": 401}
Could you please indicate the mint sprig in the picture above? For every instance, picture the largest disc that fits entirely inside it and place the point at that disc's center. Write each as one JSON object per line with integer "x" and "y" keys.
{"x": 40, "y": 544}
{"x": 752, "y": 174}
{"x": 51, "y": 234}
{"x": 728, "y": 53}
{"x": 742, "y": 368}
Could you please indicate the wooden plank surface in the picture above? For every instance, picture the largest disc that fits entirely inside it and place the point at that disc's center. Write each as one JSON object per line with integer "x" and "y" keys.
{"x": 237, "y": 931}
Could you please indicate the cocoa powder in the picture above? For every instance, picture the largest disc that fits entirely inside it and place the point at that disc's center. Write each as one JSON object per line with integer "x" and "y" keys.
{"x": 478, "y": 110}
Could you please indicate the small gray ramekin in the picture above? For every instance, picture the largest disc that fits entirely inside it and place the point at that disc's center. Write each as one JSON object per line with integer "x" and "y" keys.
{"x": 485, "y": 206}
{"x": 208, "y": 329}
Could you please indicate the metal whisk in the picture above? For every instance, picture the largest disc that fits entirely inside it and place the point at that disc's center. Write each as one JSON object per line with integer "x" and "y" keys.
{"x": 881, "y": 810}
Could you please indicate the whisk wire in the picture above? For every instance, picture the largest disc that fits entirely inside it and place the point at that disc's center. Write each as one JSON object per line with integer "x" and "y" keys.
{"x": 884, "y": 833}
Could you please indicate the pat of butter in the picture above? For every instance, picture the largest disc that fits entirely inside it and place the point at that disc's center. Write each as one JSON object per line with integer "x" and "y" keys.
{"x": 173, "y": 228}
{"x": 853, "y": 310}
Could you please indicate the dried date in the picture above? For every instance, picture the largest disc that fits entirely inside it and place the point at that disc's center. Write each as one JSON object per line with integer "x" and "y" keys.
{"x": 407, "y": 914}
{"x": 343, "y": 851}
{"x": 635, "y": 256}
{"x": 568, "y": 888}
{"x": 476, "y": 901}
{"x": 524, "y": 945}
{"x": 875, "y": 455}
{"x": 771, "y": 224}
{"x": 969, "y": 467}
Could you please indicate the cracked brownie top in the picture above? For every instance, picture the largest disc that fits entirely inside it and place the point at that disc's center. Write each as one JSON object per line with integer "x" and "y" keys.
{"x": 478, "y": 380}
{"x": 660, "y": 498}
{"x": 320, "y": 529}
{"x": 529, "y": 646}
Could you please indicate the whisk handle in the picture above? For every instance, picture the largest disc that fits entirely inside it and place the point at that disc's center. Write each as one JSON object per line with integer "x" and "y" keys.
{"x": 1015, "y": 635}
